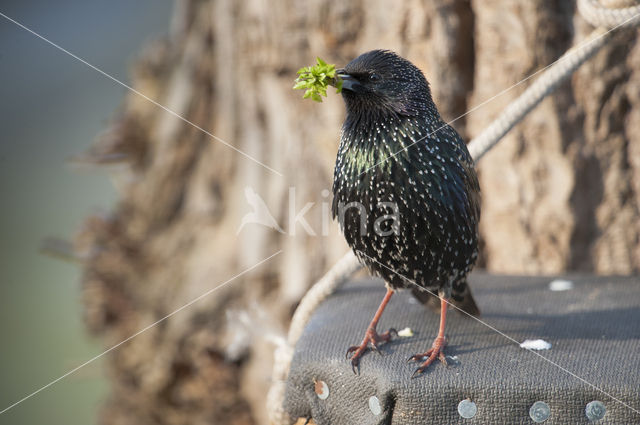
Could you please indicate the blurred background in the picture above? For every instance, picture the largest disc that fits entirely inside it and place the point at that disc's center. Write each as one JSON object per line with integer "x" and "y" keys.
{"x": 52, "y": 107}
{"x": 154, "y": 212}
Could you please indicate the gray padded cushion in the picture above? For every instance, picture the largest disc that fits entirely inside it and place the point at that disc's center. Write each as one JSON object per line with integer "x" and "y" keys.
{"x": 594, "y": 330}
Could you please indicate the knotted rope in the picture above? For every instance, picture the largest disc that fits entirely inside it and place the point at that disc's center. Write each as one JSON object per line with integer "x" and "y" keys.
{"x": 609, "y": 17}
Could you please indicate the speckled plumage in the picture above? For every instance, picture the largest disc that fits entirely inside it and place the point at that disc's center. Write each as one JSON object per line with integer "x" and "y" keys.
{"x": 395, "y": 148}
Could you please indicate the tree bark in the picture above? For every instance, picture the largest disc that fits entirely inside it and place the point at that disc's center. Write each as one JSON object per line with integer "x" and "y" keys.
{"x": 561, "y": 192}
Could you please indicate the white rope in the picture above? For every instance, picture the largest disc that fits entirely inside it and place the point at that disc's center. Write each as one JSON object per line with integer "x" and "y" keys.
{"x": 608, "y": 16}
{"x": 335, "y": 277}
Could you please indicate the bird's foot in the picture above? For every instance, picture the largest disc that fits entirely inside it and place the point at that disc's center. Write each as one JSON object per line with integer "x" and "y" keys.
{"x": 435, "y": 352}
{"x": 371, "y": 340}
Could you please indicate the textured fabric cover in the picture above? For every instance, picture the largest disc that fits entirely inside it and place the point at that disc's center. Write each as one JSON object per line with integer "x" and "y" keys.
{"x": 594, "y": 330}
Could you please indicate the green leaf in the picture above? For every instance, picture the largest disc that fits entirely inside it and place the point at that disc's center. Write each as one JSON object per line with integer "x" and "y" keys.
{"x": 300, "y": 85}
{"x": 316, "y": 79}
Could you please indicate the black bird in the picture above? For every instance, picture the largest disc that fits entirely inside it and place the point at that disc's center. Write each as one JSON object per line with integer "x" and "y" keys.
{"x": 406, "y": 194}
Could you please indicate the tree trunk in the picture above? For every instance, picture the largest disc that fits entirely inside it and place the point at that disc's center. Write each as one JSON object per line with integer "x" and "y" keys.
{"x": 561, "y": 191}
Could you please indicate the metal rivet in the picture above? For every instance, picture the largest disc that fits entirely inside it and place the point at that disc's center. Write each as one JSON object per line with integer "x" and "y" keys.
{"x": 374, "y": 405}
{"x": 467, "y": 409}
{"x": 595, "y": 410}
{"x": 321, "y": 389}
{"x": 540, "y": 411}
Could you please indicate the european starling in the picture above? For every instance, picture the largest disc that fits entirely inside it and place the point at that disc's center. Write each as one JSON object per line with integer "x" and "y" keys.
{"x": 406, "y": 194}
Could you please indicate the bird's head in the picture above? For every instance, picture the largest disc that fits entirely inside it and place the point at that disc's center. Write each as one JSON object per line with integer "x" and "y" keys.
{"x": 380, "y": 81}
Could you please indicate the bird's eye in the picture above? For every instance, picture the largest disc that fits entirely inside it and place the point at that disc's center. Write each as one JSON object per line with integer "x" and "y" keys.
{"x": 373, "y": 77}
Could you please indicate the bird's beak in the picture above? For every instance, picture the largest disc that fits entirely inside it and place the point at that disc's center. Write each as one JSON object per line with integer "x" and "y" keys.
{"x": 348, "y": 82}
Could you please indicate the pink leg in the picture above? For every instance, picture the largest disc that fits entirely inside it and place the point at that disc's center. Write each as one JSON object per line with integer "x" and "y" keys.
{"x": 371, "y": 337}
{"x": 437, "y": 349}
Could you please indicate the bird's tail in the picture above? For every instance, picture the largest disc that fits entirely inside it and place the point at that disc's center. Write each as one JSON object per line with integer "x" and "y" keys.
{"x": 461, "y": 297}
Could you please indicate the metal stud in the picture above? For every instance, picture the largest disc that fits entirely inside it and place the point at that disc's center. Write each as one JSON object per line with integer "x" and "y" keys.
{"x": 467, "y": 409}
{"x": 321, "y": 388}
{"x": 539, "y": 411}
{"x": 595, "y": 410}
{"x": 374, "y": 405}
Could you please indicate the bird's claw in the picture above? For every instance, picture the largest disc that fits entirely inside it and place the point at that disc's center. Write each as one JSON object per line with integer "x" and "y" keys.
{"x": 433, "y": 353}
{"x": 415, "y": 358}
{"x": 371, "y": 340}
{"x": 417, "y": 372}
{"x": 351, "y": 350}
